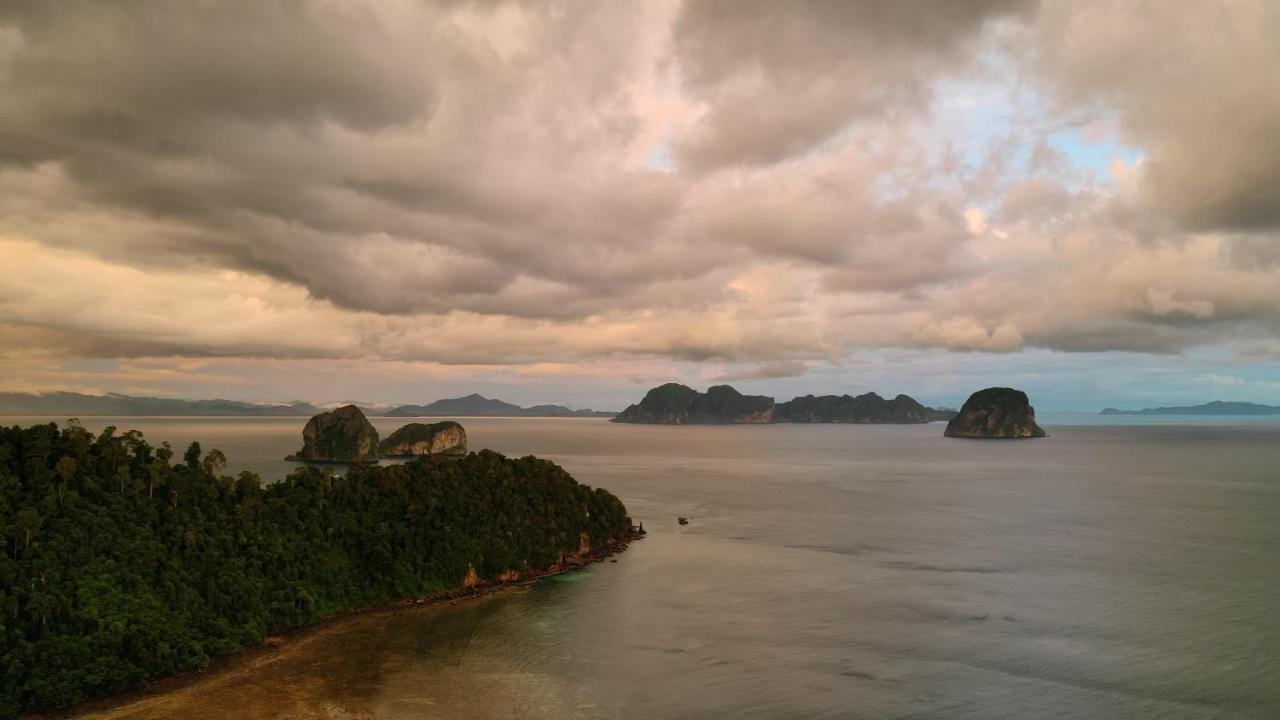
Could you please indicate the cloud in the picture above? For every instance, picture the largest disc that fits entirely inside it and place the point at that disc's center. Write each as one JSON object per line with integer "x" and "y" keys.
{"x": 471, "y": 184}
{"x": 779, "y": 80}
{"x": 1193, "y": 85}
{"x": 1216, "y": 379}
{"x": 765, "y": 371}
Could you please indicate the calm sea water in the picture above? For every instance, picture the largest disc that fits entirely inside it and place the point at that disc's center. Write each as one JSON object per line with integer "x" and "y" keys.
{"x": 1123, "y": 570}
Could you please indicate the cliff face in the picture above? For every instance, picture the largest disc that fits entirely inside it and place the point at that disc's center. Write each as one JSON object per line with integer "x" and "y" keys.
{"x": 675, "y": 404}
{"x": 448, "y": 438}
{"x": 343, "y": 435}
{"x": 868, "y": 408}
{"x": 996, "y": 413}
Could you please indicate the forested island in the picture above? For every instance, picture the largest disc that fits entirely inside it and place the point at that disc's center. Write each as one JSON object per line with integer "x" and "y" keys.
{"x": 124, "y": 562}
{"x": 676, "y": 404}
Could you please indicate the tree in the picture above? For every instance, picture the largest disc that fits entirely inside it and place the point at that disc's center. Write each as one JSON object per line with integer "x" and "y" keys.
{"x": 27, "y": 522}
{"x": 192, "y": 456}
{"x": 214, "y": 462}
{"x": 66, "y": 472}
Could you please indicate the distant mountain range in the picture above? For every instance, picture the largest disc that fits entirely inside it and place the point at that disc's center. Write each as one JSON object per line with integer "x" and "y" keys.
{"x": 70, "y": 404}
{"x": 675, "y": 404}
{"x": 476, "y": 405}
{"x": 1217, "y": 407}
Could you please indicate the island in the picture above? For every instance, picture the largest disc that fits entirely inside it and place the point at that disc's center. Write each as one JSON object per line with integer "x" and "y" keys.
{"x": 676, "y": 404}
{"x": 72, "y": 404}
{"x": 476, "y": 405}
{"x": 1217, "y": 407}
{"x": 124, "y": 563}
{"x": 414, "y": 439}
{"x": 338, "y": 436}
{"x": 995, "y": 413}
{"x": 865, "y": 408}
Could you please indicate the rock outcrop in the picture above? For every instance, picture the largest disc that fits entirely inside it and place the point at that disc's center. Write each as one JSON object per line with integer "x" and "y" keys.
{"x": 868, "y": 408}
{"x": 442, "y": 438}
{"x": 995, "y": 413}
{"x": 343, "y": 435}
{"x": 675, "y": 404}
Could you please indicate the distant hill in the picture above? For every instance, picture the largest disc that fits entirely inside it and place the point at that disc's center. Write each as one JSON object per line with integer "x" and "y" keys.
{"x": 1217, "y": 407}
{"x": 676, "y": 404}
{"x": 69, "y": 404}
{"x": 476, "y": 405}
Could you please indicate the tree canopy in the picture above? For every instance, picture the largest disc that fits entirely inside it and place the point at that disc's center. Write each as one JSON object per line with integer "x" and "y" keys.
{"x": 121, "y": 567}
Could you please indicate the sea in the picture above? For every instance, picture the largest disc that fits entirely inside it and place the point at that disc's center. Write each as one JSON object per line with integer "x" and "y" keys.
{"x": 1123, "y": 567}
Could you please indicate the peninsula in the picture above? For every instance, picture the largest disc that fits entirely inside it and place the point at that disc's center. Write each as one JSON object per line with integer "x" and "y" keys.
{"x": 676, "y": 404}
{"x": 126, "y": 563}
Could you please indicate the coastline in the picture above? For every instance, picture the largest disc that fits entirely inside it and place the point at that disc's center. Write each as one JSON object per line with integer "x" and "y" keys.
{"x": 275, "y": 646}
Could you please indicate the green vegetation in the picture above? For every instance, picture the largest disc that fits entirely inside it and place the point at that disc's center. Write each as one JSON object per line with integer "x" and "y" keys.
{"x": 124, "y": 563}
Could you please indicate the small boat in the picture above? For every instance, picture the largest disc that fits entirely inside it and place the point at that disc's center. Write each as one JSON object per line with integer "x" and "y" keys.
{"x": 683, "y": 520}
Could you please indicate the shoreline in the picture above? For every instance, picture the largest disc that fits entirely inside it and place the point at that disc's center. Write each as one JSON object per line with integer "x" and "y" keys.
{"x": 245, "y": 658}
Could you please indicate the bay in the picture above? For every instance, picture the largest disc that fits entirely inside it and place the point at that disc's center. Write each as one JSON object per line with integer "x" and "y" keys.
{"x": 1112, "y": 570}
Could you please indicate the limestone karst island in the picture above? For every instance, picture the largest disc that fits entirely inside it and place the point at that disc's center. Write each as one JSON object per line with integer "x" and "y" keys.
{"x": 994, "y": 413}
{"x": 676, "y": 404}
{"x": 345, "y": 435}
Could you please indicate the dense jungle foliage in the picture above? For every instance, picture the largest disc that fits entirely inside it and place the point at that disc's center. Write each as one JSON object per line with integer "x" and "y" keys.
{"x": 124, "y": 563}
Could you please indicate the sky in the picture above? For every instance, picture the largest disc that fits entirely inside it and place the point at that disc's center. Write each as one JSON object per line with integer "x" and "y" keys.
{"x": 571, "y": 202}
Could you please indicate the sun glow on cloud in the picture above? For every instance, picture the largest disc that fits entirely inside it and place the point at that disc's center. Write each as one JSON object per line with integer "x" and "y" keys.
{"x": 508, "y": 194}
